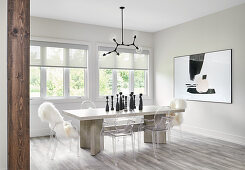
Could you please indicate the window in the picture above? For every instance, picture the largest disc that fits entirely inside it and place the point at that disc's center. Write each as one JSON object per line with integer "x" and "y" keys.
{"x": 124, "y": 73}
{"x": 77, "y": 82}
{"x": 55, "y": 81}
{"x": 35, "y": 82}
{"x": 105, "y": 81}
{"x": 139, "y": 81}
{"x": 123, "y": 81}
{"x": 57, "y": 69}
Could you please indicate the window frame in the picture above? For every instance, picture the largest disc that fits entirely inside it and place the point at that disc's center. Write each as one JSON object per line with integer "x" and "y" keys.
{"x": 66, "y": 84}
{"x": 148, "y": 76}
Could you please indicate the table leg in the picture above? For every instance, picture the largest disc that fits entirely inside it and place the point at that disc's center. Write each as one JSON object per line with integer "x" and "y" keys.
{"x": 148, "y": 134}
{"x": 90, "y": 135}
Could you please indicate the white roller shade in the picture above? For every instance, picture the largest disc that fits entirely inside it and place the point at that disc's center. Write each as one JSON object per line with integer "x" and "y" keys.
{"x": 50, "y": 54}
{"x": 128, "y": 59}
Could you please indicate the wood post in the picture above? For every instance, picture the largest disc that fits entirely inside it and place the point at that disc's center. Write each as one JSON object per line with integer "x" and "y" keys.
{"x": 18, "y": 84}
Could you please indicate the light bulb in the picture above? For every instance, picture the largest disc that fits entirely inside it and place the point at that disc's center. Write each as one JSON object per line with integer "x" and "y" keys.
{"x": 139, "y": 50}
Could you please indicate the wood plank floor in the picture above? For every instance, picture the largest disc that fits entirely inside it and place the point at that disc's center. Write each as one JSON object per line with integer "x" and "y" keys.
{"x": 190, "y": 152}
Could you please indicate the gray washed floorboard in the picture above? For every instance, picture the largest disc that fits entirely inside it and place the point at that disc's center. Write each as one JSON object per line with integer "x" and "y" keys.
{"x": 191, "y": 152}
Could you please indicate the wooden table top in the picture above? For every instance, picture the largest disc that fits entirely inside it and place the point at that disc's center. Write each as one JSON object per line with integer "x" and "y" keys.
{"x": 100, "y": 113}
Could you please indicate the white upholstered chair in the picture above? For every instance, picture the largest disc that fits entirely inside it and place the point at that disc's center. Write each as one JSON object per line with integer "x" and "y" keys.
{"x": 60, "y": 130}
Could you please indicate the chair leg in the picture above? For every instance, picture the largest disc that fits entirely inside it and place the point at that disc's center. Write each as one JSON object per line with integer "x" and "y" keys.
{"x": 101, "y": 142}
{"x": 169, "y": 140}
{"x": 70, "y": 142}
{"x": 114, "y": 150}
{"x": 133, "y": 146}
{"x": 50, "y": 143}
{"x": 153, "y": 143}
{"x": 78, "y": 146}
{"x": 54, "y": 149}
{"x": 180, "y": 129}
{"x": 169, "y": 136}
{"x": 124, "y": 144}
{"x": 157, "y": 140}
{"x": 139, "y": 139}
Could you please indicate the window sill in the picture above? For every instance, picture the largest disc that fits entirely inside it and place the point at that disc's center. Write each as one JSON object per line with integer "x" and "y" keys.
{"x": 38, "y": 101}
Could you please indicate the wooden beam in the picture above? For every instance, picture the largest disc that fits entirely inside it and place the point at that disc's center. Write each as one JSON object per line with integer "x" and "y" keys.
{"x": 18, "y": 84}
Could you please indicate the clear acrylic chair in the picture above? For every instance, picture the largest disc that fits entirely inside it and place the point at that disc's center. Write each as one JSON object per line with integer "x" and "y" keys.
{"x": 160, "y": 123}
{"x": 60, "y": 131}
{"x": 141, "y": 123}
{"x": 178, "y": 117}
{"x": 87, "y": 104}
{"x": 118, "y": 128}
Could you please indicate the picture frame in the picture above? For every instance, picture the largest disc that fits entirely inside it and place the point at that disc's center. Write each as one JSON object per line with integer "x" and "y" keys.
{"x": 204, "y": 76}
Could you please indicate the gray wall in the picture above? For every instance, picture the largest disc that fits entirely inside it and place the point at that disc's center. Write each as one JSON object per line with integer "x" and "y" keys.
{"x": 223, "y": 30}
{"x": 3, "y": 84}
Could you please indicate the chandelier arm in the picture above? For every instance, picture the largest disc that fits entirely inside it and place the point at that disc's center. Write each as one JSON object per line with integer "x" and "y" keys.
{"x": 107, "y": 53}
{"x": 134, "y": 39}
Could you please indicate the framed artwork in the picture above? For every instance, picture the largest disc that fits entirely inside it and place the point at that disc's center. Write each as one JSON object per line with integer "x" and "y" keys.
{"x": 204, "y": 76}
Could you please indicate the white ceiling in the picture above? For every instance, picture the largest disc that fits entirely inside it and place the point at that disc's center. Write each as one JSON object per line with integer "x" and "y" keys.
{"x": 141, "y": 15}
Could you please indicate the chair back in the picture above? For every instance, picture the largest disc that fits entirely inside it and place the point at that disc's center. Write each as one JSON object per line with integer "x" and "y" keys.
{"x": 119, "y": 124}
{"x": 48, "y": 113}
{"x": 161, "y": 120}
{"x": 178, "y": 104}
{"x": 87, "y": 104}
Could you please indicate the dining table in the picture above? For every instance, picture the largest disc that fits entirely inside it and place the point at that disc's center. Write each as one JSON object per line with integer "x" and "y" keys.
{"x": 91, "y": 122}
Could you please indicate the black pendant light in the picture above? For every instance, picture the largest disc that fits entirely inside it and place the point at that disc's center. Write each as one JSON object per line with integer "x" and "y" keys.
{"x": 138, "y": 49}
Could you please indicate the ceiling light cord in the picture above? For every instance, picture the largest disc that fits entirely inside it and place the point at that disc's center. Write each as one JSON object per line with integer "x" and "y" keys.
{"x": 122, "y": 43}
{"x": 122, "y": 23}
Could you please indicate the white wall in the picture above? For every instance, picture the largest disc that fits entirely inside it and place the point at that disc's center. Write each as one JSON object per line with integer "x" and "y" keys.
{"x": 223, "y": 30}
{"x": 92, "y": 34}
{"x": 3, "y": 84}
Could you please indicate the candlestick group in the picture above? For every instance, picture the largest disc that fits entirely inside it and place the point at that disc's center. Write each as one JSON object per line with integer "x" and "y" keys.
{"x": 122, "y": 102}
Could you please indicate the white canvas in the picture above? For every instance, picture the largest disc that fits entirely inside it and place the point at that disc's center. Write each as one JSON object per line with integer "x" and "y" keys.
{"x": 213, "y": 83}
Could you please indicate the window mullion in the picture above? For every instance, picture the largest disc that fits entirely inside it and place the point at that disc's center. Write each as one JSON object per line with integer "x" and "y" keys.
{"x": 66, "y": 82}
{"x": 114, "y": 82}
{"x": 146, "y": 83}
{"x": 85, "y": 73}
{"x": 43, "y": 82}
{"x": 131, "y": 80}
{"x": 43, "y": 73}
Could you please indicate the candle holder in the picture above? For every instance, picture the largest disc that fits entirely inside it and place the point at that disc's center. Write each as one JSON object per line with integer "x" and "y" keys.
{"x": 112, "y": 107}
{"x": 117, "y": 105}
{"x": 107, "y": 105}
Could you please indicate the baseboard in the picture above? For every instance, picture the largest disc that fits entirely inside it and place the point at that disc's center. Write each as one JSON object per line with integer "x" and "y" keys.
{"x": 39, "y": 132}
{"x": 214, "y": 134}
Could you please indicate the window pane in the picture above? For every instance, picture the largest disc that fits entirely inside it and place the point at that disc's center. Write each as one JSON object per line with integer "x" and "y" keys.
{"x": 34, "y": 81}
{"x": 35, "y": 54}
{"x": 105, "y": 82}
{"x": 76, "y": 82}
{"x": 139, "y": 81}
{"x": 123, "y": 81}
{"x": 55, "y": 81}
{"x": 77, "y": 58}
{"x": 55, "y": 56}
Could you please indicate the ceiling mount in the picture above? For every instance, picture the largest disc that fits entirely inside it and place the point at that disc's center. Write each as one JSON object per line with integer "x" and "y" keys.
{"x": 138, "y": 49}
